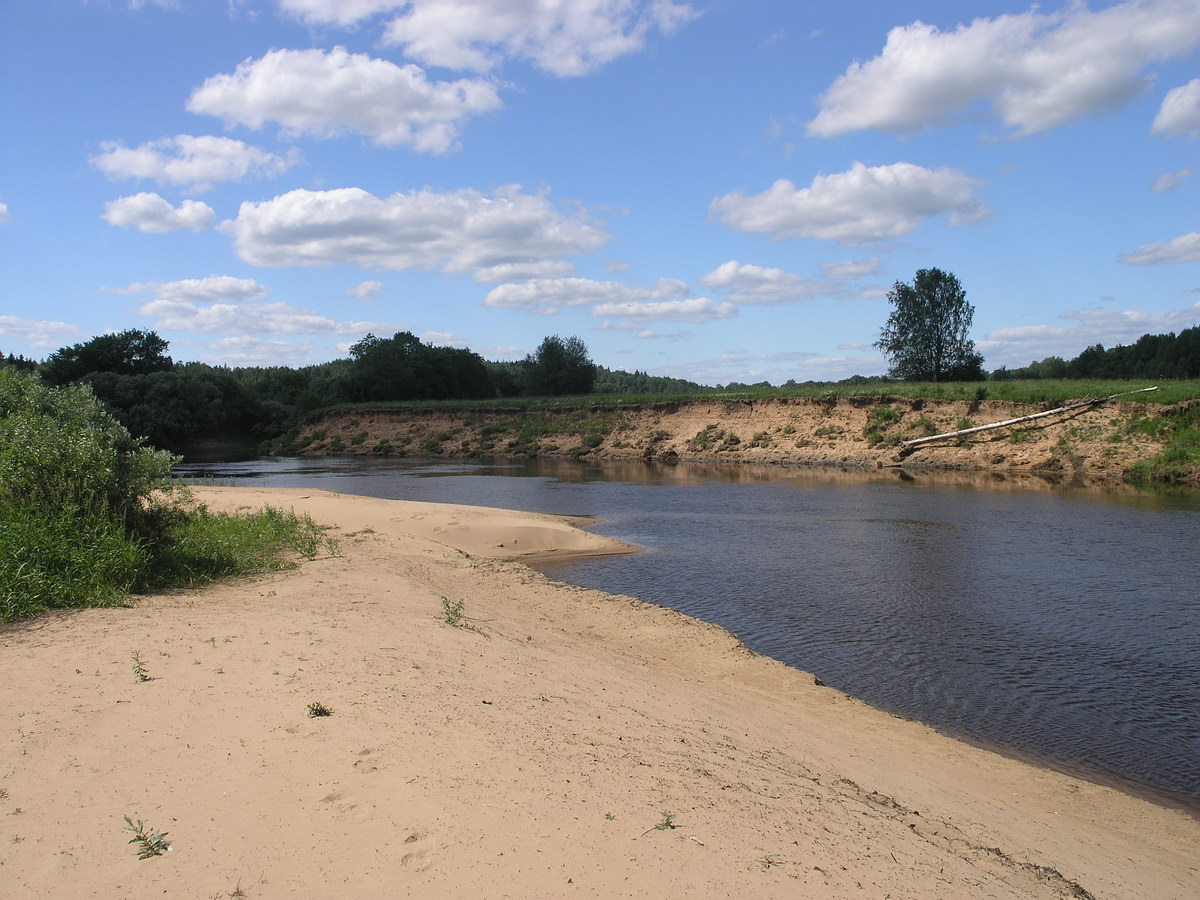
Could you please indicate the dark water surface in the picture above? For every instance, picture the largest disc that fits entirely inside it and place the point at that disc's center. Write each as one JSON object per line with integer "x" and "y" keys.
{"x": 1061, "y": 625}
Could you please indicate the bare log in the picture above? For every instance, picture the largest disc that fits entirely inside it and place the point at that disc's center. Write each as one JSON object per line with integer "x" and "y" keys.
{"x": 906, "y": 446}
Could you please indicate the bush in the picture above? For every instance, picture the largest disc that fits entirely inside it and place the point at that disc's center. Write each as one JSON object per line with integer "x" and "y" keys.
{"x": 88, "y": 514}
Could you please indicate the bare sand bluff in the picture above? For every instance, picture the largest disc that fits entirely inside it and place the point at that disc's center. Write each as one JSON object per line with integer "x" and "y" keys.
{"x": 567, "y": 743}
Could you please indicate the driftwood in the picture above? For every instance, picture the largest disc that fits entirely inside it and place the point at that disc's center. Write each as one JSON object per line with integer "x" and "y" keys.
{"x": 906, "y": 446}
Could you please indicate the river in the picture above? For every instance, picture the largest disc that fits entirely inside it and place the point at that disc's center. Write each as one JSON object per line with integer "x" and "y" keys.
{"x": 1057, "y": 625}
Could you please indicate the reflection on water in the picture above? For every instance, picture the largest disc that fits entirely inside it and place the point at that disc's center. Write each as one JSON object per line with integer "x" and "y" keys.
{"x": 1058, "y": 623}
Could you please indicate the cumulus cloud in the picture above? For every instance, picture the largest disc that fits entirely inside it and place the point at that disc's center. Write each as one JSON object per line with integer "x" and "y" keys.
{"x": 1036, "y": 70}
{"x": 744, "y": 366}
{"x": 1021, "y": 345}
{"x": 762, "y": 286}
{"x": 458, "y": 231}
{"x": 691, "y": 309}
{"x": 150, "y": 213}
{"x": 249, "y": 318}
{"x": 1180, "y": 112}
{"x": 210, "y": 289}
{"x": 561, "y": 38}
{"x": 861, "y": 206}
{"x": 850, "y": 269}
{"x": 1185, "y": 248}
{"x": 1171, "y": 180}
{"x": 549, "y": 295}
{"x": 198, "y": 162}
{"x": 4, "y": 217}
{"x": 366, "y": 290}
{"x": 325, "y": 94}
{"x": 521, "y": 271}
{"x": 244, "y": 350}
{"x": 38, "y": 334}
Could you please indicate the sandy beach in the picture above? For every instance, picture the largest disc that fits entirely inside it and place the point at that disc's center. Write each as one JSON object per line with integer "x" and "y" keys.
{"x": 560, "y": 742}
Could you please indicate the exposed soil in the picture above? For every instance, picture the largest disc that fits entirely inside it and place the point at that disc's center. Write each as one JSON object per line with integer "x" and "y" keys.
{"x": 1093, "y": 444}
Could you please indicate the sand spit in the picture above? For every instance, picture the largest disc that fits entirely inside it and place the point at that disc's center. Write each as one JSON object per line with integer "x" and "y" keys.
{"x": 563, "y": 743}
{"x": 1093, "y": 445}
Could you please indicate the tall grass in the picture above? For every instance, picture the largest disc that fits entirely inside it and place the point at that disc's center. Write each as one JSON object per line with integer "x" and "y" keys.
{"x": 89, "y": 514}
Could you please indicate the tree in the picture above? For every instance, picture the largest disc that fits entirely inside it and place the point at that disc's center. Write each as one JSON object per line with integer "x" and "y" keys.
{"x": 561, "y": 367}
{"x": 925, "y": 337}
{"x": 130, "y": 352}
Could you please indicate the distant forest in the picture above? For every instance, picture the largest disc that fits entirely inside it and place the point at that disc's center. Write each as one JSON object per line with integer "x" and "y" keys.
{"x": 173, "y": 405}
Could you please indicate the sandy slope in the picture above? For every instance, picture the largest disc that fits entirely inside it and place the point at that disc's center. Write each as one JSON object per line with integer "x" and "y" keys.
{"x": 529, "y": 755}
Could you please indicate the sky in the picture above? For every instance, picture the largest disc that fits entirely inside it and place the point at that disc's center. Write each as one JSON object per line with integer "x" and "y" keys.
{"x": 717, "y": 190}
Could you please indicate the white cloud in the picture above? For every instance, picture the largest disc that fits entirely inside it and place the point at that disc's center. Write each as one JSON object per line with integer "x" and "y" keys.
{"x": 325, "y": 94}
{"x": 850, "y": 269}
{"x": 861, "y": 206}
{"x": 249, "y": 318}
{"x": 39, "y": 335}
{"x": 198, "y": 162}
{"x": 1180, "y": 112}
{"x": 549, "y": 295}
{"x": 1185, "y": 248}
{"x": 563, "y": 38}
{"x": 443, "y": 339}
{"x": 618, "y": 265}
{"x": 4, "y": 217}
{"x": 1021, "y": 345}
{"x": 150, "y": 213}
{"x": 761, "y": 286}
{"x": 458, "y": 231}
{"x": 250, "y": 351}
{"x": 746, "y": 367}
{"x": 210, "y": 289}
{"x": 1171, "y": 180}
{"x": 366, "y": 290}
{"x": 337, "y": 12}
{"x": 1036, "y": 70}
{"x": 692, "y": 309}
{"x": 521, "y": 271}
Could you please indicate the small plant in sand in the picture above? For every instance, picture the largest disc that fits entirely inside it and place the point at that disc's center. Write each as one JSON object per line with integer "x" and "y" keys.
{"x": 139, "y": 667}
{"x": 452, "y": 612}
{"x": 769, "y": 860}
{"x": 150, "y": 842}
{"x": 667, "y": 824}
{"x": 318, "y": 710}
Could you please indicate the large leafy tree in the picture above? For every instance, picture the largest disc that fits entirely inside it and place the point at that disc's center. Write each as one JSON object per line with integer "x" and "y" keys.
{"x": 131, "y": 352}
{"x": 925, "y": 337}
{"x": 561, "y": 367}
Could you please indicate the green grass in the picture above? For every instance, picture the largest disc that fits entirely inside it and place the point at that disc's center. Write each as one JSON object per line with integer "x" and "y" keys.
{"x": 89, "y": 515}
{"x": 1045, "y": 391}
{"x": 1179, "y": 461}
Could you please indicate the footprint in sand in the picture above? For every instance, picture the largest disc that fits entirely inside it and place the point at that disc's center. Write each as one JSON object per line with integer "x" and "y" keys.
{"x": 347, "y": 806}
{"x": 366, "y": 763}
{"x": 416, "y": 852}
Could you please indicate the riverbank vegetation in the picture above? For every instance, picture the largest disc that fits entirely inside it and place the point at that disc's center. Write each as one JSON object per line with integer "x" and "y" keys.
{"x": 89, "y": 514}
{"x": 177, "y": 405}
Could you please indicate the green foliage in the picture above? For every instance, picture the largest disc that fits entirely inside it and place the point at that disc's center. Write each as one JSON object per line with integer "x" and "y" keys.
{"x": 88, "y": 513}
{"x": 452, "y": 612}
{"x": 130, "y": 352}
{"x": 1179, "y": 460}
{"x": 403, "y": 368}
{"x": 561, "y": 367}
{"x": 317, "y": 710}
{"x": 879, "y": 420}
{"x": 1157, "y": 356}
{"x": 925, "y": 337}
{"x": 139, "y": 667}
{"x": 150, "y": 842}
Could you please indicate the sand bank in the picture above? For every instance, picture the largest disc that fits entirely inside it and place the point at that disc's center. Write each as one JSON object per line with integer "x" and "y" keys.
{"x": 531, "y": 754}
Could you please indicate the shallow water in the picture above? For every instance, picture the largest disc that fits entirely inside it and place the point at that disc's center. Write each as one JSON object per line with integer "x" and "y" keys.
{"x": 1060, "y": 625}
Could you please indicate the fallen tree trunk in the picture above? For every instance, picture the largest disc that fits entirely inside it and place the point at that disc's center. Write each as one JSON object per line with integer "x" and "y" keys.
{"x": 907, "y": 446}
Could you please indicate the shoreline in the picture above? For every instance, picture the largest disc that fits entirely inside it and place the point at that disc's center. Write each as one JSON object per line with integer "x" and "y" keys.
{"x": 534, "y": 752}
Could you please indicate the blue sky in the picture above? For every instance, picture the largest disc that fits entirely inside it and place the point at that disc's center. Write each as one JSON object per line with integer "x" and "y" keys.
{"x": 717, "y": 190}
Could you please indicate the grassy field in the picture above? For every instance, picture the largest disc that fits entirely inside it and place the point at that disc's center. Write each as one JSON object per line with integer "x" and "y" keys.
{"x": 1056, "y": 391}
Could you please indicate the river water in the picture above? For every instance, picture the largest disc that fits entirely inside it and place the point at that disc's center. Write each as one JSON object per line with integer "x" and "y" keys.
{"x": 1058, "y": 625}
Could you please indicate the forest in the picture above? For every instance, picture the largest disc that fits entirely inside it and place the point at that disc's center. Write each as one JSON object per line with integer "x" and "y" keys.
{"x": 173, "y": 405}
